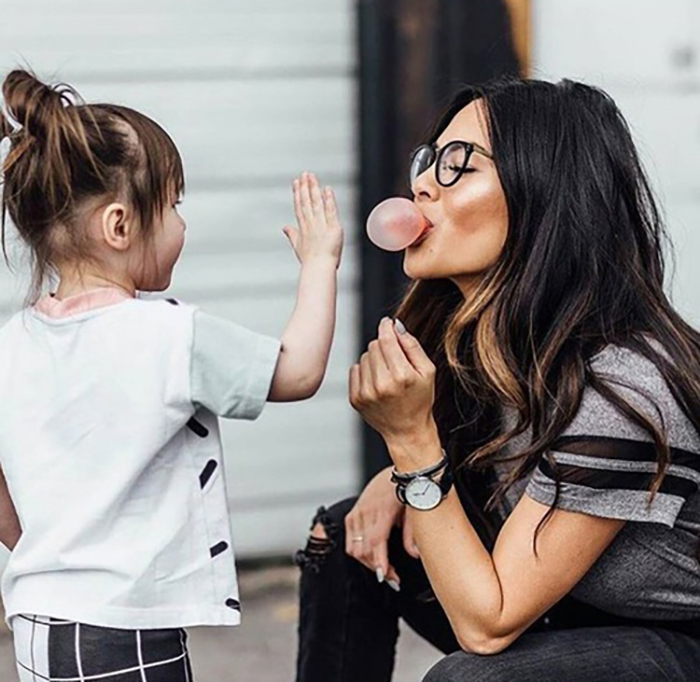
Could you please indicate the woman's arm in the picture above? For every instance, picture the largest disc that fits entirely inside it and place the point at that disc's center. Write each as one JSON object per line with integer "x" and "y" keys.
{"x": 375, "y": 513}
{"x": 490, "y": 599}
{"x": 306, "y": 341}
{"x": 10, "y": 529}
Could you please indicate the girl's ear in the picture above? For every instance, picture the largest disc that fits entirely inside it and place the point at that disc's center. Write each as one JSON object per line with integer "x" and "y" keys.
{"x": 117, "y": 227}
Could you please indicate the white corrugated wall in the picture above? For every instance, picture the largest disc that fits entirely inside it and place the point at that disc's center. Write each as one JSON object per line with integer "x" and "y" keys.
{"x": 253, "y": 93}
{"x": 647, "y": 56}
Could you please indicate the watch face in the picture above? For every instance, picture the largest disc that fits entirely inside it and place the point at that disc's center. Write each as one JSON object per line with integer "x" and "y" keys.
{"x": 423, "y": 493}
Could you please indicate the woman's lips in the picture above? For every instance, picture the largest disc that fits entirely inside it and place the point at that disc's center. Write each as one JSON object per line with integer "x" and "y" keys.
{"x": 424, "y": 235}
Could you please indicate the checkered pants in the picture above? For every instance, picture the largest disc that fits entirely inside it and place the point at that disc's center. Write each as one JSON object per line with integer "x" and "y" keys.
{"x": 65, "y": 651}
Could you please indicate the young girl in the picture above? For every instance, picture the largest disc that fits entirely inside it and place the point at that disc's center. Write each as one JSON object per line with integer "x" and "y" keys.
{"x": 109, "y": 443}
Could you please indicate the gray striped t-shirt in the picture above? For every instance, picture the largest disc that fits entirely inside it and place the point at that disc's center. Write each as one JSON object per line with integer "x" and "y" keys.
{"x": 650, "y": 570}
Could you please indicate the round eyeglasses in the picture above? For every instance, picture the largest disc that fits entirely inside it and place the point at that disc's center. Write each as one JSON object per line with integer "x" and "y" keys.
{"x": 450, "y": 161}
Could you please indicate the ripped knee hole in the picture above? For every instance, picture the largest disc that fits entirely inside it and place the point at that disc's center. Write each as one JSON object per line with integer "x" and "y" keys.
{"x": 319, "y": 532}
{"x": 321, "y": 542}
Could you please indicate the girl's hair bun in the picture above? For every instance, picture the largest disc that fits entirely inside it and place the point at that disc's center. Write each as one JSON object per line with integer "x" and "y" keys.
{"x": 37, "y": 107}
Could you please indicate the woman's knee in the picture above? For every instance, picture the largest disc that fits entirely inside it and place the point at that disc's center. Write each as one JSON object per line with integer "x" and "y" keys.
{"x": 326, "y": 535}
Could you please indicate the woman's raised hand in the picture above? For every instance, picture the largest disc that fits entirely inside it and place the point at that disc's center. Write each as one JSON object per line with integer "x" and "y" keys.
{"x": 319, "y": 233}
{"x": 369, "y": 524}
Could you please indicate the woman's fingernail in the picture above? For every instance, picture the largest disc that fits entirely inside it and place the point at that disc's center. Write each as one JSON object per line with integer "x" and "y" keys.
{"x": 394, "y": 585}
{"x": 380, "y": 575}
{"x": 399, "y": 326}
{"x": 417, "y": 550}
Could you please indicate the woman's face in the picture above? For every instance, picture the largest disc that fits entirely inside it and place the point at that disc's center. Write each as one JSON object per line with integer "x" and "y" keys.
{"x": 469, "y": 219}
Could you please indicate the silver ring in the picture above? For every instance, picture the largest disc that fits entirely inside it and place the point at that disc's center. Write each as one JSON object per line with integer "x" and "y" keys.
{"x": 358, "y": 538}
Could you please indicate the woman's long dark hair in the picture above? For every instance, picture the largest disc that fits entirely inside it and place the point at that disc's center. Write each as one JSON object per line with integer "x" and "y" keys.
{"x": 582, "y": 268}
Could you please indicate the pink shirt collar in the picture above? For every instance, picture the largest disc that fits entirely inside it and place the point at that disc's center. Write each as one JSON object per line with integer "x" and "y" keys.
{"x": 53, "y": 307}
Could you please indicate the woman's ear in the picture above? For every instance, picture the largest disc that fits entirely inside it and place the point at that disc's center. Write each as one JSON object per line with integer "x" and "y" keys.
{"x": 117, "y": 227}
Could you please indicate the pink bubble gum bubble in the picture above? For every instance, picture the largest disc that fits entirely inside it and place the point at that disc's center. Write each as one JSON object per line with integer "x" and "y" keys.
{"x": 395, "y": 224}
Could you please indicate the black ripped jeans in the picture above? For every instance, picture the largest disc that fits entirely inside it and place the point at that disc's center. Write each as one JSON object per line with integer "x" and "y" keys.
{"x": 348, "y": 628}
{"x": 349, "y": 622}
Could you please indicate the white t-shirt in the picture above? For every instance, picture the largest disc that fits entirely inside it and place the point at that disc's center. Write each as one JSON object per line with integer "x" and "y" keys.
{"x": 110, "y": 445}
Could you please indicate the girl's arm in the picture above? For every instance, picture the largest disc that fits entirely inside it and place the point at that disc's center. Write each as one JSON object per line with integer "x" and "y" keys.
{"x": 10, "y": 529}
{"x": 489, "y": 599}
{"x": 306, "y": 341}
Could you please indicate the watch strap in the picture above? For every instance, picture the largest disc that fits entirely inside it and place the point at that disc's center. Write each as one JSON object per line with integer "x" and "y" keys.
{"x": 397, "y": 477}
{"x": 446, "y": 481}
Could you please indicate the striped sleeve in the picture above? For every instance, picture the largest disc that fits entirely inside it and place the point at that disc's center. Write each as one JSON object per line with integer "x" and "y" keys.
{"x": 606, "y": 464}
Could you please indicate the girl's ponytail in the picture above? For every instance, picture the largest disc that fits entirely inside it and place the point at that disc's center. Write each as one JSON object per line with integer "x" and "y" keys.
{"x": 50, "y": 122}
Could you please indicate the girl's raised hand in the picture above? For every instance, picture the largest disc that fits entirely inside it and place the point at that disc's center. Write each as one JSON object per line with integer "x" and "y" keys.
{"x": 319, "y": 233}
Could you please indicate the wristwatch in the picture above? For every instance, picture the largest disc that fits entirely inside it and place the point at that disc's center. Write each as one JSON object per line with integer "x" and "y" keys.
{"x": 423, "y": 492}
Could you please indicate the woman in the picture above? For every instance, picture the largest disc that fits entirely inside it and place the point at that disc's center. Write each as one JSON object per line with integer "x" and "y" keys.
{"x": 544, "y": 357}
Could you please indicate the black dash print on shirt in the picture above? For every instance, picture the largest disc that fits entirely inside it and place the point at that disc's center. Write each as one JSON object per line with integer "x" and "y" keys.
{"x": 199, "y": 428}
{"x": 218, "y": 548}
{"x": 207, "y": 472}
{"x": 233, "y": 604}
{"x": 172, "y": 301}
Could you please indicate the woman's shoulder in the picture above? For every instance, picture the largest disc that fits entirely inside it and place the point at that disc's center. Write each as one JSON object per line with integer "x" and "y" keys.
{"x": 606, "y": 461}
{"x": 625, "y": 365}
{"x": 639, "y": 381}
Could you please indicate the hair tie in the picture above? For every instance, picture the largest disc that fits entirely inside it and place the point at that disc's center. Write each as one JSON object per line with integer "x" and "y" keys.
{"x": 14, "y": 123}
{"x": 5, "y": 147}
{"x": 6, "y": 140}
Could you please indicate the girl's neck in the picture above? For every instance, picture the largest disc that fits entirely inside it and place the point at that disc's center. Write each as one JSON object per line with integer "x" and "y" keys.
{"x": 73, "y": 282}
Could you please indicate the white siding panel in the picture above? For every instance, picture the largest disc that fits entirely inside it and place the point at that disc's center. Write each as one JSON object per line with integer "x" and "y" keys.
{"x": 604, "y": 41}
{"x": 666, "y": 128}
{"x": 237, "y": 274}
{"x": 266, "y": 527}
{"x": 290, "y": 441}
{"x": 137, "y": 40}
{"x": 684, "y": 227}
{"x": 251, "y": 218}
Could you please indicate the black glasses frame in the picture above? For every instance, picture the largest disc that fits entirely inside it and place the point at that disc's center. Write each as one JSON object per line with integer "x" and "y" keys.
{"x": 437, "y": 154}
